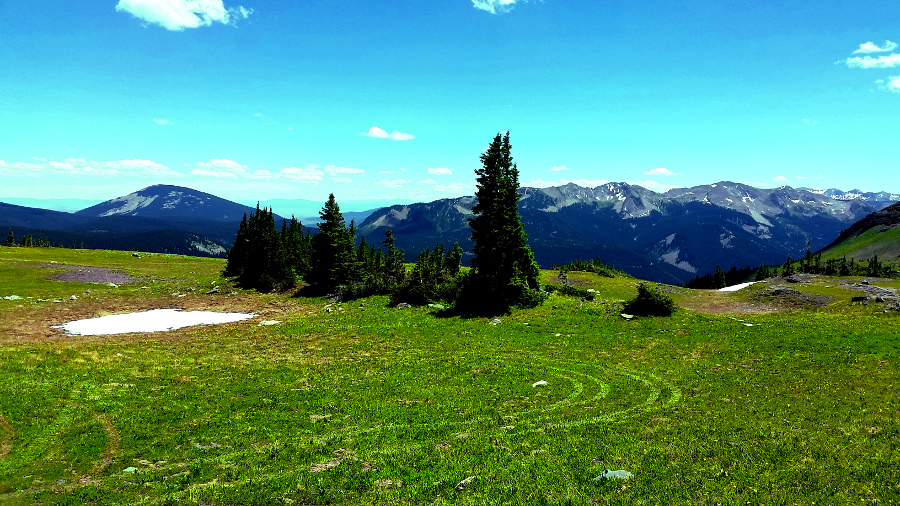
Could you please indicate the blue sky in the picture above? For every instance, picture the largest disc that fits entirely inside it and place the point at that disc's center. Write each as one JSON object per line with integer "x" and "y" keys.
{"x": 258, "y": 99}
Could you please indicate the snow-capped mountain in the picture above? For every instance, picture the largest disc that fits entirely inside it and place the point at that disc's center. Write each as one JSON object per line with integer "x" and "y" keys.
{"x": 165, "y": 201}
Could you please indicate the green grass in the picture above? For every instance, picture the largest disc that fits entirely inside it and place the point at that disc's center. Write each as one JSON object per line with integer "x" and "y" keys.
{"x": 872, "y": 242}
{"x": 798, "y": 408}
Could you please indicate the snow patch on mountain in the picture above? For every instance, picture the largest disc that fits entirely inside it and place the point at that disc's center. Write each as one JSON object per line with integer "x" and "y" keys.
{"x": 130, "y": 203}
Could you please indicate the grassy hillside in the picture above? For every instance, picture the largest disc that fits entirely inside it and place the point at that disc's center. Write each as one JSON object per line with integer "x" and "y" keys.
{"x": 358, "y": 403}
{"x": 885, "y": 244}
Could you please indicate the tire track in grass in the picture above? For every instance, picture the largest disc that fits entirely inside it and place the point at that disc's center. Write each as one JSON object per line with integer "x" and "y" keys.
{"x": 113, "y": 439}
{"x": 7, "y": 432}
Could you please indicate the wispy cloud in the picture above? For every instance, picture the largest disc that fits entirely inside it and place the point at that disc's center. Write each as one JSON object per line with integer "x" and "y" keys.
{"x": 392, "y": 183}
{"x": 161, "y": 121}
{"x": 177, "y": 15}
{"x": 559, "y": 169}
{"x": 82, "y": 167}
{"x": 892, "y": 84}
{"x": 428, "y": 181}
{"x": 220, "y": 168}
{"x": 780, "y": 179}
{"x": 440, "y": 171}
{"x": 311, "y": 174}
{"x": 653, "y": 185}
{"x": 456, "y": 188}
{"x": 332, "y": 170}
{"x": 660, "y": 171}
{"x": 868, "y": 62}
{"x": 494, "y": 6}
{"x": 587, "y": 183}
{"x": 871, "y": 47}
{"x": 378, "y": 133}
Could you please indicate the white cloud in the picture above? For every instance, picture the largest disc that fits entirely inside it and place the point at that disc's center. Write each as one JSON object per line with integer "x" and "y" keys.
{"x": 560, "y": 168}
{"x": 260, "y": 174}
{"x": 653, "y": 185}
{"x": 377, "y": 133}
{"x": 587, "y": 183}
{"x": 494, "y": 6}
{"x": 221, "y": 168}
{"x": 342, "y": 179}
{"x": 660, "y": 171}
{"x": 868, "y": 62}
{"x": 780, "y": 179}
{"x": 161, "y": 121}
{"x": 440, "y": 171}
{"x": 332, "y": 170}
{"x": 540, "y": 183}
{"x": 82, "y": 167}
{"x": 893, "y": 84}
{"x": 871, "y": 47}
{"x": 180, "y": 14}
{"x": 311, "y": 174}
{"x": 392, "y": 183}
{"x": 457, "y": 188}
{"x": 428, "y": 181}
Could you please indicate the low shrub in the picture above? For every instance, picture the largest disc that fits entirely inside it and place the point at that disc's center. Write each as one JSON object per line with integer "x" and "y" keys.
{"x": 650, "y": 302}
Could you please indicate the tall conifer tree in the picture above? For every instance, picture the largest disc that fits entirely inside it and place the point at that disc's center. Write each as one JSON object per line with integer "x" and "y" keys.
{"x": 504, "y": 273}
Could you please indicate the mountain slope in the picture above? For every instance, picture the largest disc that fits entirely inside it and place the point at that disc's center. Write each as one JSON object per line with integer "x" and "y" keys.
{"x": 876, "y": 234}
{"x": 166, "y": 201}
{"x": 667, "y": 237}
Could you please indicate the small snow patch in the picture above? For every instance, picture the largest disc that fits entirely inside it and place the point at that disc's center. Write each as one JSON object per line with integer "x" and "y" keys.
{"x": 156, "y": 320}
{"x": 734, "y": 288}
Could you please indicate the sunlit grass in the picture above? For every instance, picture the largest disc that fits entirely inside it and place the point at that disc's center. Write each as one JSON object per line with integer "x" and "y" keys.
{"x": 367, "y": 404}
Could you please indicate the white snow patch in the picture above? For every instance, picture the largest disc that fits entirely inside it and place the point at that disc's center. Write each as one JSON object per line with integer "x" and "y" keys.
{"x": 156, "y": 320}
{"x": 734, "y": 288}
{"x": 669, "y": 239}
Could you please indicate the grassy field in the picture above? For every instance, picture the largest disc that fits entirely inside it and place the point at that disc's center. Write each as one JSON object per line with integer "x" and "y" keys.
{"x": 363, "y": 404}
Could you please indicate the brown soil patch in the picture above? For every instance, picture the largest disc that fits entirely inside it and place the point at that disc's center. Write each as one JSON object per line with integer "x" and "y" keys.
{"x": 31, "y": 323}
{"x": 88, "y": 274}
{"x": 6, "y": 437}
{"x": 714, "y": 302}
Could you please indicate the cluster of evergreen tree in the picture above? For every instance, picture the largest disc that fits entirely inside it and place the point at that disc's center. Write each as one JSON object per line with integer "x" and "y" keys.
{"x": 721, "y": 278}
{"x": 503, "y": 274}
{"x": 265, "y": 259}
{"x": 28, "y": 241}
{"x": 596, "y": 266}
{"x": 813, "y": 264}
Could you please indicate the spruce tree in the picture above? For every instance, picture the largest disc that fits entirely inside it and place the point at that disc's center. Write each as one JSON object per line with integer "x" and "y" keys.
{"x": 10, "y": 238}
{"x": 719, "y": 278}
{"x": 333, "y": 256}
{"x": 504, "y": 273}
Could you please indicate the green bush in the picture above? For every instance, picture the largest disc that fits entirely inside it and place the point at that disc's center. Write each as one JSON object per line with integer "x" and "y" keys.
{"x": 650, "y": 302}
{"x": 570, "y": 290}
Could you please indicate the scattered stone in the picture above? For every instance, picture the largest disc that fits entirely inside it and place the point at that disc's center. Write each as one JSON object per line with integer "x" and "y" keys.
{"x": 136, "y": 255}
{"x": 130, "y": 470}
{"x": 331, "y": 464}
{"x": 659, "y": 420}
{"x": 384, "y": 482}
{"x": 538, "y": 384}
{"x": 627, "y": 316}
{"x": 495, "y": 321}
{"x": 598, "y": 461}
{"x": 439, "y": 307}
{"x": 463, "y": 484}
{"x": 318, "y": 418}
{"x": 145, "y": 288}
{"x": 212, "y": 291}
{"x": 12, "y": 297}
{"x": 402, "y": 305}
{"x": 112, "y": 285}
{"x": 191, "y": 289}
{"x": 620, "y": 474}
{"x": 441, "y": 446}
{"x": 87, "y": 291}
{"x": 266, "y": 323}
{"x": 748, "y": 324}
{"x": 60, "y": 481}
{"x": 210, "y": 446}
{"x": 74, "y": 297}
{"x": 462, "y": 435}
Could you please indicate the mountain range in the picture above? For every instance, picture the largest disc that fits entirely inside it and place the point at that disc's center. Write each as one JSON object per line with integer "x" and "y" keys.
{"x": 667, "y": 237}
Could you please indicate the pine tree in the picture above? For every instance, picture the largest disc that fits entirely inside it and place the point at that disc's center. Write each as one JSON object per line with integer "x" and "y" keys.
{"x": 333, "y": 256}
{"x": 504, "y": 273}
{"x": 10, "y": 238}
{"x": 719, "y": 278}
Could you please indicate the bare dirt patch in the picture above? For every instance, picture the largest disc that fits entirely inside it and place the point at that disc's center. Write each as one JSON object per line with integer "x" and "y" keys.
{"x": 87, "y": 274}
{"x": 6, "y": 437}
{"x": 790, "y": 299}
{"x": 714, "y": 302}
{"x": 31, "y": 323}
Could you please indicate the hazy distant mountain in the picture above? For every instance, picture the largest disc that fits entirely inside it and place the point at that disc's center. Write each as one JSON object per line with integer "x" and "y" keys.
{"x": 165, "y": 201}
{"x": 63, "y": 205}
{"x": 879, "y": 200}
{"x": 668, "y": 237}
